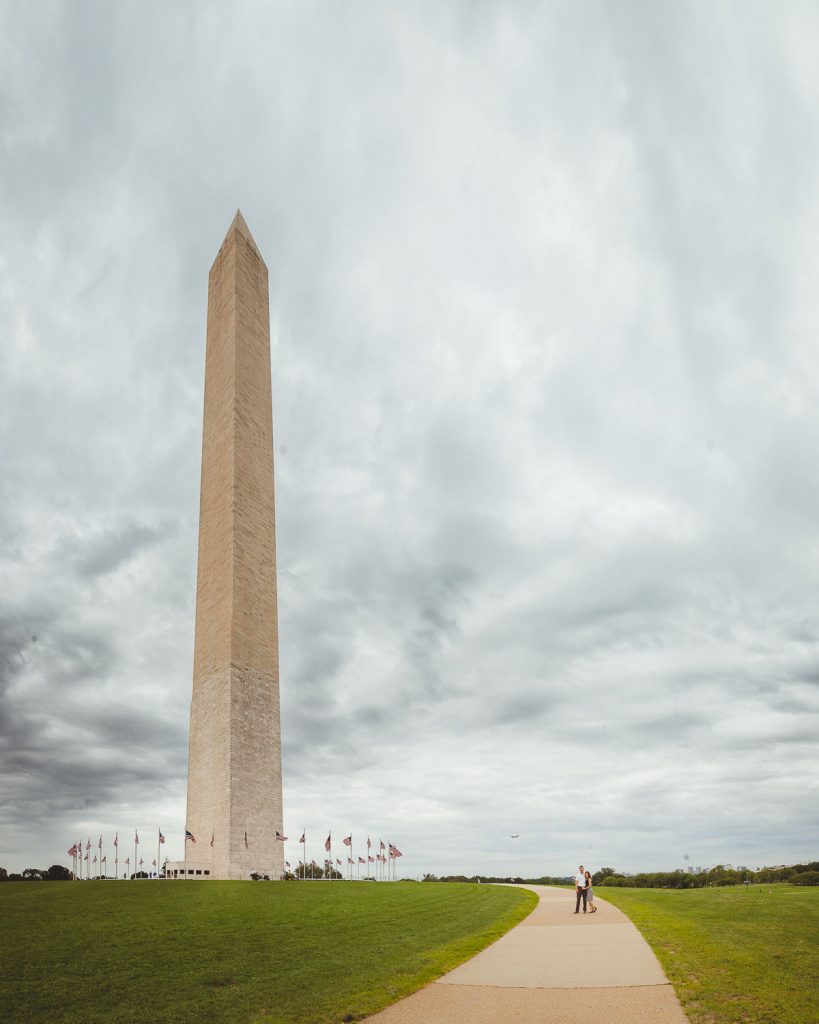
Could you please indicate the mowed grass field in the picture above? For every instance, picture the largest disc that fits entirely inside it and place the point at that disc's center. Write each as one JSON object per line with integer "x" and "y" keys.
{"x": 742, "y": 955}
{"x": 272, "y": 952}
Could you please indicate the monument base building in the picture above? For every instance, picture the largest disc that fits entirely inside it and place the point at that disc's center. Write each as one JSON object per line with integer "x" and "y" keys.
{"x": 179, "y": 869}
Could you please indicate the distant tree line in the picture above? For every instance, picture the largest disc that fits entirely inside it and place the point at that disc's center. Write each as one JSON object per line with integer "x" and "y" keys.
{"x": 722, "y": 874}
{"x": 56, "y": 873}
{"x": 795, "y": 874}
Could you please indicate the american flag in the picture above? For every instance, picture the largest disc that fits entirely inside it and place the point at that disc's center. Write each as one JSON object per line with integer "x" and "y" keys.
{"x": 371, "y": 859}
{"x": 287, "y": 863}
{"x": 349, "y": 860}
{"x": 72, "y": 852}
{"x": 395, "y": 852}
{"x": 94, "y": 861}
{"x": 99, "y": 844}
{"x": 327, "y": 842}
{"x": 127, "y": 860}
{"x": 246, "y": 846}
{"x": 161, "y": 837}
{"x": 211, "y": 839}
{"x": 280, "y": 838}
{"x": 381, "y": 844}
{"x": 361, "y": 860}
{"x": 153, "y": 862}
{"x": 104, "y": 859}
{"x": 136, "y": 838}
{"x": 349, "y": 840}
{"x": 88, "y": 844}
{"x": 337, "y": 860}
{"x": 141, "y": 862}
{"x": 191, "y": 836}
{"x": 302, "y": 837}
{"x": 369, "y": 844}
{"x": 116, "y": 839}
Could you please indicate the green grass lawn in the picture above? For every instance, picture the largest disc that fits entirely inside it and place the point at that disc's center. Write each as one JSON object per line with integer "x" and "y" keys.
{"x": 744, "y": 955}
{"x": 272, "y": 952}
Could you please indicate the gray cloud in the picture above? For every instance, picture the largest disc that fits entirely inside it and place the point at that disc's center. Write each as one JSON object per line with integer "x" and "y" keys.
{"x": 545, "y": 402}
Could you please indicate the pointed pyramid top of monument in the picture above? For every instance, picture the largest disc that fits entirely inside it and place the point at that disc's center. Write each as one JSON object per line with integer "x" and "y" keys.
{"x": 239, "y": 225}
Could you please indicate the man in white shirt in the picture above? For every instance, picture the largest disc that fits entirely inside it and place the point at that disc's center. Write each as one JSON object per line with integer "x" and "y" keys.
{"x": 581, "y": 888}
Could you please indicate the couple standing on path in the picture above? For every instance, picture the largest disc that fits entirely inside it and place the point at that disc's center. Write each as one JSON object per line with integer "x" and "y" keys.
{"x": 585, "y": 891}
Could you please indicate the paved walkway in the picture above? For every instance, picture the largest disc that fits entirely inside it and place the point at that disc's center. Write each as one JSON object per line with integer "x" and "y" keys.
{"x": 552, "y": 968}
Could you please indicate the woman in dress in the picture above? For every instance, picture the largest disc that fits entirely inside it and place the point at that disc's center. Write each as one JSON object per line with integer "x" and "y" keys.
{"x": 590, "y": 893}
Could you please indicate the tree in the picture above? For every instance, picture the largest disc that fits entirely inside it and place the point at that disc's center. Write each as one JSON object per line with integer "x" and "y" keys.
{"x": 32, "y": 875}
{"x": 4, "y": 875}
{"x": 57, "y": 873}
{"x": 598, "y": 876}
{"x": 805, "y": 878}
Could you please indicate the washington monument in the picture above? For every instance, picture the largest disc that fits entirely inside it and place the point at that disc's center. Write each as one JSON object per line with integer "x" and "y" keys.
{"x": 234, "y": 753}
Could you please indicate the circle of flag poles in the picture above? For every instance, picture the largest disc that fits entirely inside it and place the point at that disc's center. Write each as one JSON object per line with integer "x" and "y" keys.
{"x": 384, "y": 861}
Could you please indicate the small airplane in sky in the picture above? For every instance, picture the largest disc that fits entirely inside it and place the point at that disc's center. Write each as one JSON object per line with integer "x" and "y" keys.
{"x": 515, "y": 837}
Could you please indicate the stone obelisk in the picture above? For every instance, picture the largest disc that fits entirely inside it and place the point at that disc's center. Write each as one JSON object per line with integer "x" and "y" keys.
{"x": 234, "y": 754}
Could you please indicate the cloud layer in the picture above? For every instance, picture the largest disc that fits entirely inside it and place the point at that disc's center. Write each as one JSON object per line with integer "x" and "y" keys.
{"x": 546, "y": 406}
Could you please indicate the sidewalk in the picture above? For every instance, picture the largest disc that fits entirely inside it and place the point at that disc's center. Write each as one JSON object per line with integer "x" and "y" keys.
{"x": 552, "y": 968}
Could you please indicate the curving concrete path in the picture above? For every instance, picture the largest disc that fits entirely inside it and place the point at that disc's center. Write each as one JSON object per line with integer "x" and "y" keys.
{"x": 552, "y": 968}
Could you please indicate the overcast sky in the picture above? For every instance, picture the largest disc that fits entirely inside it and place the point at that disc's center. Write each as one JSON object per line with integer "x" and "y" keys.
{"x": 545, "y": 326}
